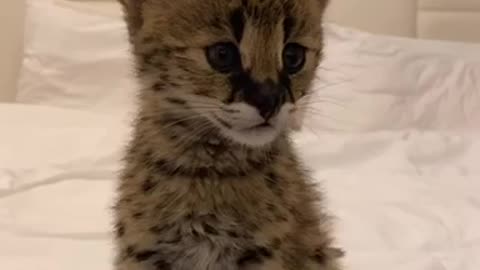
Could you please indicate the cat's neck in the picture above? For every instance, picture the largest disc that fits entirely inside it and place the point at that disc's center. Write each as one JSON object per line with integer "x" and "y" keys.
{"x": 182, "y": 150}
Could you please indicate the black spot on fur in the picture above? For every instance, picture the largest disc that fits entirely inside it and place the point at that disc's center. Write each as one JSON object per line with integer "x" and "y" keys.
{"x": 233, "y": 234}
{"x": 164, "y": 167}
{"x": 276, "y": 243}
{"x": 159, "y": 229}
{"x": 149, "y": 57}
{"x": 217, "y": 22}
{"x": 273, "y": 210}
{"x": 138, "y": 215}
{"x": 254, "y": 256}
{"x": 144, "y": 255}
{"x": 237, "y": 21}
{"x": 148, "y": 40}
{"x": 120, "y": 229}
{"x": 177, "y": 101}
{"x": 272, "y": 180}
{"x": 320, "y": 256}
{"x": 158, "y": 87}
{"x": 288, "y": 25}
{"x": 280, "y": 218}
{"x": 209, "y": 229}
{"x": 265, "y": 252}
{"x": 162, "y": 265}
{"x": 172, "y": 241}
{"x": 167, "y": 234}
{"x": 129, "y": 251}
{"x": 172, "y": 137}
{"x": 271, "y": 207}
{"x": 148, "y": 185}
{"x": 250, "y": 256}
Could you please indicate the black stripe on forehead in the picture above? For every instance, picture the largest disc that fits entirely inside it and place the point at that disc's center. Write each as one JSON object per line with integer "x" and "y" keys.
{"x": 263, "y": 13}
{"x": 288, "y": 25}
{"x": 237, "y": 22}
{"x": 289, "y": 21}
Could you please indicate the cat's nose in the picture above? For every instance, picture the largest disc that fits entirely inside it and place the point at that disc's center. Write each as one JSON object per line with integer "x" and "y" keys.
{"x": 267, "y": 98}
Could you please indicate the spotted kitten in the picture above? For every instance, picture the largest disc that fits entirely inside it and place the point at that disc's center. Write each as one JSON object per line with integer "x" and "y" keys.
{"x": 211, "y": 181}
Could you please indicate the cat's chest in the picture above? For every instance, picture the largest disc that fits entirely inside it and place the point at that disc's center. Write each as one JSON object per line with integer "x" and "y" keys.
{"x": 222, "y": 245}
{"x": 217, "y": 207}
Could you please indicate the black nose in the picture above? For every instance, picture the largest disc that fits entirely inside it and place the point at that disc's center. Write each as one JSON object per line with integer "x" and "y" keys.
{"x": 267, "y": 97}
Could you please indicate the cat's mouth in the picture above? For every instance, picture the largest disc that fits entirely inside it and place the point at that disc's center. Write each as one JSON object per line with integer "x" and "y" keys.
{"x": 262, "y": 126}
{"x": 256, "y": 136}
{"x": 252, "y": 131}
{"x": 244, "y": 124}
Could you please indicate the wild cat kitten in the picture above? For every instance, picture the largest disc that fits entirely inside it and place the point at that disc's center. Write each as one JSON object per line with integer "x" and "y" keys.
{"x": 211, "y": 181}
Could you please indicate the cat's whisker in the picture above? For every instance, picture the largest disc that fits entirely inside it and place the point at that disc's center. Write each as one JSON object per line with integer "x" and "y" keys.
{"x": 319, "y": 115}
{"x": 188, "y": 110}
{"x": 184, "y": 119}
{"x": 329, "y": 85}
{"x": 199, "y": 131}
{"x": 322, "y": 102}
{"x": 323, "y": 129}
{"x": 200, "y": 100}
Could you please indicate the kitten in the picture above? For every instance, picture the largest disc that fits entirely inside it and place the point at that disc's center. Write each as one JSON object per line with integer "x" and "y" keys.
{"x": 211, "y": 181}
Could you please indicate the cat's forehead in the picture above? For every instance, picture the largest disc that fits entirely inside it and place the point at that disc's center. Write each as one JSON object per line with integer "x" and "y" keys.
{"x": 262, "y": 10}
{"x": 209, "y": 18}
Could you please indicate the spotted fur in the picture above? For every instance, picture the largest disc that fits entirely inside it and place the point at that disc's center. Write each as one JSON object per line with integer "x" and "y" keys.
{"x": 194, "y": 193}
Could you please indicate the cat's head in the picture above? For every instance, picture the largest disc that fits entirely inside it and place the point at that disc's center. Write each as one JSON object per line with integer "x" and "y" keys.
{"x": 241, "y": 64}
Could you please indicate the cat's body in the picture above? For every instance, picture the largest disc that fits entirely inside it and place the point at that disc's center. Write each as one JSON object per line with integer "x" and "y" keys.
{"x": 211, "y": 181}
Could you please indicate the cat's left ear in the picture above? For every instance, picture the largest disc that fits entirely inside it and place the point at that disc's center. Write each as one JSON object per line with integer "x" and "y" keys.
{"x": 133, "y": 10}
{"x": 323, "y": 4}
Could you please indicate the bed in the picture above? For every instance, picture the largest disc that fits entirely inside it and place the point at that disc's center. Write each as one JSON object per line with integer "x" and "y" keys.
{"x": 393, "y": 137}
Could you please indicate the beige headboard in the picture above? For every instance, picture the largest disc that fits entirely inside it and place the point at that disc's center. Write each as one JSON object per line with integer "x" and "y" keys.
{"x": 11, "y": 26}
{"x": 457, "y": 20}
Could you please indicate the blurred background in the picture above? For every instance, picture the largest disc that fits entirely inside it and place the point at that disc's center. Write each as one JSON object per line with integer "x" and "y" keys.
{"x": 391, "y": 131}
{"x": 455, "y": 20}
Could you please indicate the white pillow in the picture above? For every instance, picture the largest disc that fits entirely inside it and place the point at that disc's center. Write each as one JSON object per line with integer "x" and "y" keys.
{"x": 76, "y": 56}
{"x": 51, "y": 161}
{"x": 373, "y": 82}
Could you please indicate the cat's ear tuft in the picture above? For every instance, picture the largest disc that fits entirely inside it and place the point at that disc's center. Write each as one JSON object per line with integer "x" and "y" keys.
{"x": 323, "y": 4}
{"x": 133, "y": 10}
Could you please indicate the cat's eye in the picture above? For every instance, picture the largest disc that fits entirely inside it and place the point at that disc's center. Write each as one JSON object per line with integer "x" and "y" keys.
{"x": 293, "y": 57}
{"x": 223, "y": 57}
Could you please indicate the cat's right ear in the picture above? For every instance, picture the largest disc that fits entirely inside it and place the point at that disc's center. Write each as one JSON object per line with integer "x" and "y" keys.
{"x": 133, "y": 10}
{"x": 323, "y": 4}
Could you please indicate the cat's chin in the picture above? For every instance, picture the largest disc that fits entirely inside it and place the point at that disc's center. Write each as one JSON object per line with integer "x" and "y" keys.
{"x": 256, "y": 137}
{"x": 247, "y": 127}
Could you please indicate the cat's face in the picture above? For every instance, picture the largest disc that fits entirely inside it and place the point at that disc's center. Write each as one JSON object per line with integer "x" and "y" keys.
{"x": 241, "y": 64}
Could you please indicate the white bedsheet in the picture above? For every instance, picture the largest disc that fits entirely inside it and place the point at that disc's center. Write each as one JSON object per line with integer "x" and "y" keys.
{"x": 402, "y": 180}
{"x": 57, "y": 171}
{"x": 404, "y": 199}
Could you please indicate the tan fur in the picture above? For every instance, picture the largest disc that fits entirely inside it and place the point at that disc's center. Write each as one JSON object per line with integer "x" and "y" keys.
{"x": 189, "y": 198}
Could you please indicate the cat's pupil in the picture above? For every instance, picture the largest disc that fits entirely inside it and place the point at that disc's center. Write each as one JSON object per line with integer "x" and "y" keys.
{"x": 223, "y": 57}
{"x": 222, "y": 53}
{"x": 293, "y": 57}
